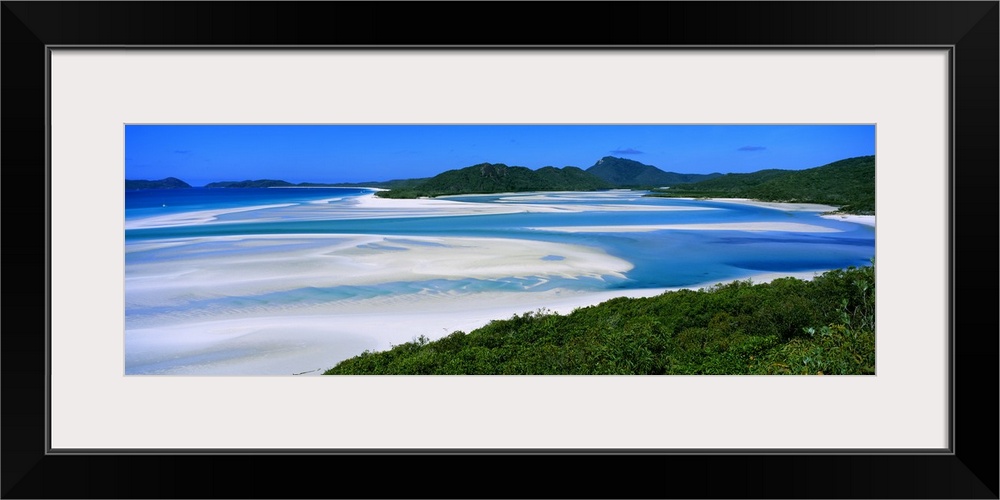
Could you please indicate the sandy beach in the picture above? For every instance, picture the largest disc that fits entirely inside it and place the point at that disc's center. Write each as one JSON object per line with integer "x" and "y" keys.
{"x": 307, "y": 342}
{"x": 274, "y": 337}
{"x": 787, "y": 207}
{"x": 314, "y": 340}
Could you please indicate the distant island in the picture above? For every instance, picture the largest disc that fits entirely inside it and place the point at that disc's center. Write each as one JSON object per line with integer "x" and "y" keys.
{"x": 391, "y": 184}
{"x": 264, "y": 183}
{"x": 168, "y": 183}
{"x": 848, "y": 184}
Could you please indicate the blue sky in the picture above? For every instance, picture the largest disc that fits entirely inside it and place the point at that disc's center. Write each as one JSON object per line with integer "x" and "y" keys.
{"x": 199, "y": 154}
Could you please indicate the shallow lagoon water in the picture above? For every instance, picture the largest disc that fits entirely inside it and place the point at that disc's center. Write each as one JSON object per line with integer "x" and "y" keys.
{"x": 200, "y": 256}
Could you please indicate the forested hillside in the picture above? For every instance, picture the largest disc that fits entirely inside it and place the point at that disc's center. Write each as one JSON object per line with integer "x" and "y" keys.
{"x": 848, "y": 184}
{"x": 500, "y": 178}
{"x": 788, "y": 326}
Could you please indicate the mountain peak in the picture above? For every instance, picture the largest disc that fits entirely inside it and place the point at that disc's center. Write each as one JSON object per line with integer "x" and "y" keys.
{"x": 624, "y": 172}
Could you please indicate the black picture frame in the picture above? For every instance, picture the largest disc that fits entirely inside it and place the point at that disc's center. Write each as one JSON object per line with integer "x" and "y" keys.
{"x": 969, "y": 470}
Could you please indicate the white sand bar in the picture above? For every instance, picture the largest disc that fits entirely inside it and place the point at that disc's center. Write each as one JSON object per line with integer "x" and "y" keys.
{"x": 195, "y": 217}
{"x": 445, "y": 205}
{"x": 787, "y": 207}
{"x": 791, "y": 227}
{"x": 286, "y": 338}
{"x": 369, "y": 206}
{"x": 220, "y": 266}
{"x": 867, "y": 220}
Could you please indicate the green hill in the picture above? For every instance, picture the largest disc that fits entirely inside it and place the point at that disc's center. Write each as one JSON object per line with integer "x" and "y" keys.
{"x": 168, "y": 183}
{"x": 608, "y": 173}
{"x": 569, "y": 179}
{"x": 500, "y": 178}
{"x": 623, "y": 172}
{"x": 848, "y": 184}
{"x": 735, "y": 183}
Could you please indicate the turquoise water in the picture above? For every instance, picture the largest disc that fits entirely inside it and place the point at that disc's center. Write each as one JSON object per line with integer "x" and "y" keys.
{"x": 216, "y": 280}
{"x": 664, "y": 258}
{"x": 150, "y": 202}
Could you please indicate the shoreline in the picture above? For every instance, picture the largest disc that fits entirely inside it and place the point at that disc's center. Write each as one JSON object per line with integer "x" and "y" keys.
{"x": 776, "y": 205}
{"x": 309, "y": 344}
{"x": 828, "y": 212}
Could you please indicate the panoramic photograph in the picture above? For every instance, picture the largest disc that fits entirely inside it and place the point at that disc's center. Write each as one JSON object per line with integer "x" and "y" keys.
{"x": 538, "y": 249}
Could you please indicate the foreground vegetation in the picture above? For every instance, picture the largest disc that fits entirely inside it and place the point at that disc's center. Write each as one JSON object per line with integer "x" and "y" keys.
{"x": 848, "y": 184}
{"x": 788, "y": 326}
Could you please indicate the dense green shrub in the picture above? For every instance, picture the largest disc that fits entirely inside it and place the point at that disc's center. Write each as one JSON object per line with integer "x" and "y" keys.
{"x": 788, "y": 326}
